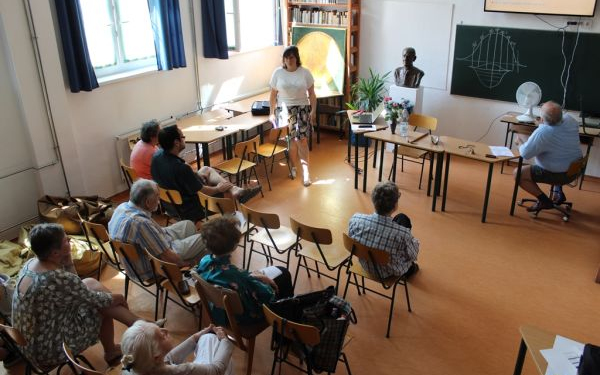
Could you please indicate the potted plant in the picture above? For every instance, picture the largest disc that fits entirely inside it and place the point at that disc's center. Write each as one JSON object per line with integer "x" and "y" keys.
{"x": 368, "y": 93}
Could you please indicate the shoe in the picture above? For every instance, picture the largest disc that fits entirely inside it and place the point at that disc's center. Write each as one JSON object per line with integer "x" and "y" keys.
{"x": 114, "y": 356}
{"x": 248, "y": 194}
{"x": 307, "y": 183}
{"x": 558, "y": 198}
{"x": 293, "y": 173}
{"x": 538, "y": 206}
{"x": 161, "y": 322}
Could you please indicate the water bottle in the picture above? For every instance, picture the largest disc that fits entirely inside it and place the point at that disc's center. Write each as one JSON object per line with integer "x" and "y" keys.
{"x": 404, "y": 124}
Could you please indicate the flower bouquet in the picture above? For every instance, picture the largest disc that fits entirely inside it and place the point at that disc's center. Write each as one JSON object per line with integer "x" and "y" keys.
{"x": 394, "y": 110}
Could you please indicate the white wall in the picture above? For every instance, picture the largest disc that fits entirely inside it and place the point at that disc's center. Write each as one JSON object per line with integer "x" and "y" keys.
{"x": 459, "y": 116}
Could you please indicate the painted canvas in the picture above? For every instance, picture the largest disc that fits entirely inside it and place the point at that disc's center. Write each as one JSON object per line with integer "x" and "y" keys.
{"x": 323, "y": 52}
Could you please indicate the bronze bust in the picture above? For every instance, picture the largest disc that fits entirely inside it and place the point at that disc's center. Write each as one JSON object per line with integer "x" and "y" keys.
{"x": 408, "y": 75}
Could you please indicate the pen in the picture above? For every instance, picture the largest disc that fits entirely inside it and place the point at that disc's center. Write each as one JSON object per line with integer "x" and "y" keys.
{"x": 418, "y": 138}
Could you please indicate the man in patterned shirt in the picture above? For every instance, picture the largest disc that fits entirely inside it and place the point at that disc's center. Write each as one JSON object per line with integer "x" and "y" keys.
{"x": 380, "y": 231}
{"x": 132, "y": 223}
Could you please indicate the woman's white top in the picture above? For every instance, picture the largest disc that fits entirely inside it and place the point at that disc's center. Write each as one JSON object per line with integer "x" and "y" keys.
{"x": 292, "y": 87}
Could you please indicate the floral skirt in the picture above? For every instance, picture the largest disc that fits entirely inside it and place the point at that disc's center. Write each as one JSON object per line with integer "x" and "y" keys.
{"x": 298, "y": 120}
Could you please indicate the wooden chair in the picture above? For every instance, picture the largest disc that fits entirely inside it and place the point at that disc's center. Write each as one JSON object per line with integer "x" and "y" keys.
{"x": 576, "y": 170}
{"x": 73, "y": 360}
{"x": 317, "y": 249}
{"x": 266, "y": 230}
{"x": 130, "y": 174}
{"x": 172, "y": 198}
{"x": 240, "y": 164}
{"x": 270, "y": 150}
{"x": 427, "y": 123}
{"x": 101, "y": 241}
{"x": 172, "y": 278}
{"x": 129, "y": 256}
{"x": 14, "y": 341}
{"x": 244, "y": 336}
{"x": 302, "y": 334}
{"x": 377, "y": 258}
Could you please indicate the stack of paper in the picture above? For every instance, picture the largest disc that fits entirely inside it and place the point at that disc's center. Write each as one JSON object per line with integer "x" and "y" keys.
{"x": 563, "y": 358}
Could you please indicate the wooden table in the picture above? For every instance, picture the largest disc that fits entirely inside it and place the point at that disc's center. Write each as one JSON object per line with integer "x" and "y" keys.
{"x": 200, "y": 129}
{"x": 245, "y": 105}
{"x": 534, "y": 339}
{"x": 474, "y": 151}
{"x": 422, "y": 144}
{"x": 244, "y": 123}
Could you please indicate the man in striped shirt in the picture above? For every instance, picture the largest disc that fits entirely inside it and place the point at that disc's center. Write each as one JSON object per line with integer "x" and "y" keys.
{"x": 380, "y": 231}
{"x": 132, "y": 223}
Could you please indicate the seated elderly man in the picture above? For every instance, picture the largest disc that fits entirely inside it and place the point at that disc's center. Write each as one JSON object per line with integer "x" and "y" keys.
{"x": 132, "y": 223}
{"x": 171, "y": 172}
{"x": 380, "y": 231}
{"x": 141, "y": 155}
{"x": 554, "y": 145}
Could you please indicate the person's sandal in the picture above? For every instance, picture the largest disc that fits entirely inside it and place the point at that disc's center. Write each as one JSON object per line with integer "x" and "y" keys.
{"x": 307, "y": 183}
{"x": 114, "y": 356}
{"x": 293, "y": 173}
{"x": 248, "y": 194}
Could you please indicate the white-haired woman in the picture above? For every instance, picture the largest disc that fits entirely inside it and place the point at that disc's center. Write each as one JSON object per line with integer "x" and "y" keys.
{"x": 148, "y": 349}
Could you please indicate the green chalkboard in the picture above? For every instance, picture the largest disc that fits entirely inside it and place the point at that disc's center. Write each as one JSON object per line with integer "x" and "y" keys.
{"x": 491, "y": 62}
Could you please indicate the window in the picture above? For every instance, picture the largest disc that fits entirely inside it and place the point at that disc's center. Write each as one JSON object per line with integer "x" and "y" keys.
{"x": 251, "y": 24}
{"x": 119, "y": 35}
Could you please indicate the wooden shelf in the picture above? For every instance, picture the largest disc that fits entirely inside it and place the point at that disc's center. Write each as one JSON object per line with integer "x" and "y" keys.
{"x": 317, "y": 5}
{"x": 317, "y": 24}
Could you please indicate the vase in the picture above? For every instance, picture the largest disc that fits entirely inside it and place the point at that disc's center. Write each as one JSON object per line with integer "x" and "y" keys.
{"x": 393, "y": 126}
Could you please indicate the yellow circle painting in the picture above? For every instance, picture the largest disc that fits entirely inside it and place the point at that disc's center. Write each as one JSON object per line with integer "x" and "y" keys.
{"x": 321, "y": 55}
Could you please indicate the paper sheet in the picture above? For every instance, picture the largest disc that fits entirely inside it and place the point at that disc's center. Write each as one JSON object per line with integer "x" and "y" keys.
{"x": 563, "y": 358}
{"x": 501, "y": 151}
{"x": 363, "y": 128}
{"x": 271, "y": 272}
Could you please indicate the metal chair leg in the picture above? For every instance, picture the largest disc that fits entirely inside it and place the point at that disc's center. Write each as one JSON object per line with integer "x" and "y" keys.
{"x": 407, "y": 296}
{"x": 387, "y": 335}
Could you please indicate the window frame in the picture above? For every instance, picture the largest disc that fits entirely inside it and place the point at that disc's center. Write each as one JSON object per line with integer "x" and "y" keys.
{"x": 237, "y": 47}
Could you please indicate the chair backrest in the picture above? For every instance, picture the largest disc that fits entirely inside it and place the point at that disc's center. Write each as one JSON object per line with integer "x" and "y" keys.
{"x": 379, "y": 257}
{"x": 130, "y": 174}
{"x": 100, "y": 234}
{"x": 305, "y": 334}
{"x": 170, "y": 196}
{"x": 218, "y": 205}
{"x": 243, "y": 149}
{"x": 168, "y": 270}
{"x": 14, "y": 334}
{"x": 423, "y": 121}
{"x": 260, "y": 219}
{"x": 217, "y": 295}
{"x": 128, "y": 255}
{"x": 313, "y": 234}
{"x": 71, "y": 358}
{"x": 577, "y": 167}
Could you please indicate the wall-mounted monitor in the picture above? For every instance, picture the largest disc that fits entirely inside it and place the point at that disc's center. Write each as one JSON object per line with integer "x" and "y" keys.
{"x": 584, "y": 8}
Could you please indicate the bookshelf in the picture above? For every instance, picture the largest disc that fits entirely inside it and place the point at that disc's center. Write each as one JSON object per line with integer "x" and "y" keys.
{"x": 331, "y": 13}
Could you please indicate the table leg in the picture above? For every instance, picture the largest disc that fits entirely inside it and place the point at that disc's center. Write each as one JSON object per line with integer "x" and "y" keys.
{"x": 445, "y": 182}
{"x": 356, "y": 135}
{"x": 516, "y": 189}
{"x": 381, "y": 160}
{"x": 438, "y": 178}
{"x": 205, "y": 154}
{"x": 394, "y": 163}
{"x": 260, "y": 133}
{"x": 224, "y": 149}
{"x": 587, "y": 153}
{"x": 431, "y": 156}
{"x": 229, "y": 146}
{"x": 366, "y": 156}
{"x": 520, "y": 358}
{"x": 375, "y": 153}
{"x": 487, "y": 192}
{"x": 198, "y": 156}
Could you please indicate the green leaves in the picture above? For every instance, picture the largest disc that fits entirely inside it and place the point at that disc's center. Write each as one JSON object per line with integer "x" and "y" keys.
{"x": 368, "y": 93}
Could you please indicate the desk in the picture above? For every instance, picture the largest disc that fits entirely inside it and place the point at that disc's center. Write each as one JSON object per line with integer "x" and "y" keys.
{"x": 200, "y": 130}
{"x": 457, "y": 147}
{"x": 534, "y": 339}
{"x": 244, "y": 123}
{"x": 423, "y": 144}
{"x": 379, "y": 125}
{"x": 586, "y": 135}
{"x": 245, "y": 105}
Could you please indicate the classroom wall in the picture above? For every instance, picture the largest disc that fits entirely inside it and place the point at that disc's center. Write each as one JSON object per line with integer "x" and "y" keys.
{"x": 459, "y": 116}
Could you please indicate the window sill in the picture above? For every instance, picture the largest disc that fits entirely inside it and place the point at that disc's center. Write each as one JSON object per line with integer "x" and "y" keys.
{"x": 113, "y": 78}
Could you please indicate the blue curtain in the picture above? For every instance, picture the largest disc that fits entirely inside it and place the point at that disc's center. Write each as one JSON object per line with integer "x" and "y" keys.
{"x": 75, "y": 50}
{"x": 214, "y": 30}
{"x": 168, "y": 39}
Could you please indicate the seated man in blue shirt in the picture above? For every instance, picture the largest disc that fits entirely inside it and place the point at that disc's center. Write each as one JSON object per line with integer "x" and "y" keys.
{"x": 554, "y": 145}
{"x": 172, "y": 172}
{"x": 380, "y": 231}
{"x": 132, "y": 223}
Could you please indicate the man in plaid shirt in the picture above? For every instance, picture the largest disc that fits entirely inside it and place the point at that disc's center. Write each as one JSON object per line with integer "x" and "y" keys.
{"x": 381, "y": 232}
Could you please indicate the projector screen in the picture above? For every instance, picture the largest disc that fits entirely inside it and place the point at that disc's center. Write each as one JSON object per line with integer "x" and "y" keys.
{"x": 557, "y": 7}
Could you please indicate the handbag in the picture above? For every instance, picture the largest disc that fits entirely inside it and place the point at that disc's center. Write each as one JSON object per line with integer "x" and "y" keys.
{"x": 69, "y": 211}
{"x": 261, "y": 108}
{"x": 291, "y": 308}
{"x": 590, "y": 360}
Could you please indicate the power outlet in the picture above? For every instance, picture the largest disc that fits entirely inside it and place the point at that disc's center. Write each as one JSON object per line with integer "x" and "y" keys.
{"x": 584, "y": 23}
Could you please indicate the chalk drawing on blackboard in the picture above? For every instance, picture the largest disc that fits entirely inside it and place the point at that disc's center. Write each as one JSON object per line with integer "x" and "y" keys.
{"x": 494, "y": 56}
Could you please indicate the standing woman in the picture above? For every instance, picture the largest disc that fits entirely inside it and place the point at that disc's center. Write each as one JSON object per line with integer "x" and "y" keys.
{"x": 293, "y": 102}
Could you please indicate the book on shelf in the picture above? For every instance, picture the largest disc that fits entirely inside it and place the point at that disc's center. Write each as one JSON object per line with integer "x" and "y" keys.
{"x": 321, "y": 17}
